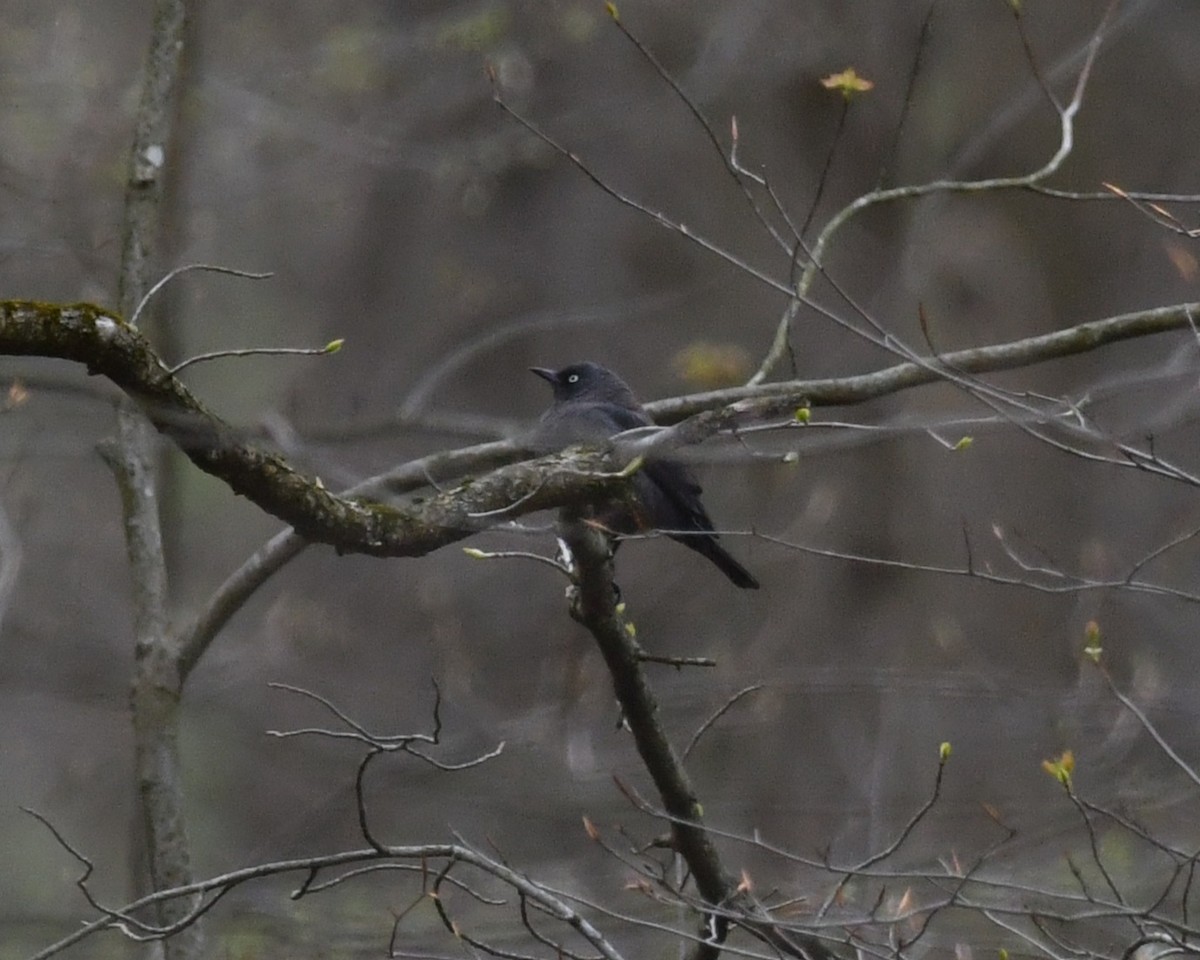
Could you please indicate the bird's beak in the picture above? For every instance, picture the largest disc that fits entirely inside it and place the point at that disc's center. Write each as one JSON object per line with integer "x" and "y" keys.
{"x": 546, "y": 374}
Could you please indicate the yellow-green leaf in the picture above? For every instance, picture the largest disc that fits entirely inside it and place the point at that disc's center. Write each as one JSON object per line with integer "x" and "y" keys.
{"x": 848, "y": 83}
{"x": 1061, "y": 768}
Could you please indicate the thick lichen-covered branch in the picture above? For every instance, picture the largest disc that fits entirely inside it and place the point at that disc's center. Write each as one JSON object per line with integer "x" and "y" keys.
{"x": 110, "y": 347}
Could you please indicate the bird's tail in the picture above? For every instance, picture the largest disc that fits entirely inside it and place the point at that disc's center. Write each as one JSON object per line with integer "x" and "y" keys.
{"x": 738, "y": 575}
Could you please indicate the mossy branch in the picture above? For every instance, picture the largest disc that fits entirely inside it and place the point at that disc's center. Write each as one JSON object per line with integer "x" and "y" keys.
{"x": 109, "y": 346}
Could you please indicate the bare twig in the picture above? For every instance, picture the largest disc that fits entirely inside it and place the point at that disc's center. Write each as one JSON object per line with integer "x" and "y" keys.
{"x": 331, "y": 347}
{"x": 694, "y": 108}
{"x": 669, "y": 661}
{"x": 515, "y": 554}
{"x": 1160, "y": 741}
{"x": 381, "y": 743}
{"x": 625, "y": 200}
{"x": 890, "y": 155}
{"x": 1031, "y": 59}
{"x": 208, "y": 267}
{"x": 905, "y": 832}
{"x": 717, "y": 715}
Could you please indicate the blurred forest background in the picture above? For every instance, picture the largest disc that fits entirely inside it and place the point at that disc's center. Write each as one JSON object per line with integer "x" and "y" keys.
{"x": 354, "y": 150}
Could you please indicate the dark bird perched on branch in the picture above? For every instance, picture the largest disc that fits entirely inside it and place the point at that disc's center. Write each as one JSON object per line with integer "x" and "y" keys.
{"x": 592, "y": 404}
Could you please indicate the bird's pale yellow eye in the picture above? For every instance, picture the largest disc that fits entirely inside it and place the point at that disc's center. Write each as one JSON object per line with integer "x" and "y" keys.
{"x": 573, "y": 378}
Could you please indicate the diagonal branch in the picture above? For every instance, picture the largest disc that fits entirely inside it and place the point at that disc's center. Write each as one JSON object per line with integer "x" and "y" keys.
{"x": 595, "y": 605}
{"x": 108, "y": 345}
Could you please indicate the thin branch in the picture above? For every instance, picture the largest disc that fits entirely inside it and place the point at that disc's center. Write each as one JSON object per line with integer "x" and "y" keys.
{"x": 891, "y": 154}
{"x": 1149, "y": 196}
{"x": 360, "y": 800}
{"x": 178, "y": 271}
{"x": 358, "y": 729}
{"x": 694, "y": 109}
{"x": 898, "y": 841}
{"x": 625, "y": 200}
{"x": 1127, "y": 702}
{"x": 1066, "y": 583}
{"x": 1031, "y": 58}
{"x": 332, "y": 347}
{"x": 382, "y": 743}
{"x": 515, "y": 555}
{"x": 717, "y": 715}
{"x": 827, "y": 167}
{"x": 761, "y": 180}
{"x": 669, "y": 661}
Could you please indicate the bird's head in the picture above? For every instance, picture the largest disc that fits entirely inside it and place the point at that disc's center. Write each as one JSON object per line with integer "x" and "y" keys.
{"x": 588, "y": 382}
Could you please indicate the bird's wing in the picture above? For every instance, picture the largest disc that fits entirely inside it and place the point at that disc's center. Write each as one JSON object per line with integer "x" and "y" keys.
{"x": 676, "y": 494}
{"x": 673, "y": 479}
{"x": 676, "y": 483}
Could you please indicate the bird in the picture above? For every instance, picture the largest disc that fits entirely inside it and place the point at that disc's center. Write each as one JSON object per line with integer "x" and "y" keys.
{"x": 592, "y": 404}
